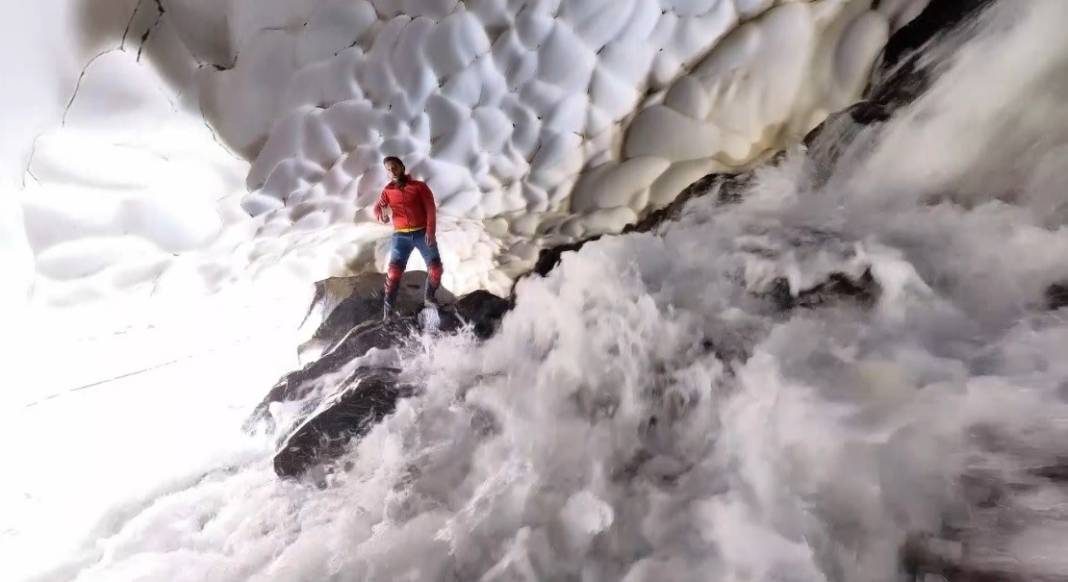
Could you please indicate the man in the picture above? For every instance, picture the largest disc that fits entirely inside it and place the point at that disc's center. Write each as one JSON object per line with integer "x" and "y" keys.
{"x": 414, "y": 227}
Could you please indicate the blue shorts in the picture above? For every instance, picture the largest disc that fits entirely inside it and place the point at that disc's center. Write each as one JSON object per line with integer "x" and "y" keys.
{"x": 405, "y": 242}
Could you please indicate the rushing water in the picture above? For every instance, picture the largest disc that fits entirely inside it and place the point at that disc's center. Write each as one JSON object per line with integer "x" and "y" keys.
{"x": 644, "y": 413}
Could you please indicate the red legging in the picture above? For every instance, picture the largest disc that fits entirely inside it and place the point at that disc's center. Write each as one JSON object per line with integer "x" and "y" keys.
{"x": 402, "y": 246}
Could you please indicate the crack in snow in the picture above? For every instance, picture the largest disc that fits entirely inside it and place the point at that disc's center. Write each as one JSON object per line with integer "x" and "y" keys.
{"x": 161, "y": 11}
{"x": 78, "y": 84}
{"x": 129, "y": 24}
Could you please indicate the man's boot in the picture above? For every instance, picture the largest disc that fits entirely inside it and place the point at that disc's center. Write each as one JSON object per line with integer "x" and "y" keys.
{"x": 430, "y": 296}
{"x": 433, "y": 282}
{"x": 387, "y": 306}
{"x": 389, "y": 291}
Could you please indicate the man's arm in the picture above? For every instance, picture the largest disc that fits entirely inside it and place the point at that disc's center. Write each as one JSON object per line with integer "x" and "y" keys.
{"x": 382, "y": 203}
{"x": 431, "y": 215}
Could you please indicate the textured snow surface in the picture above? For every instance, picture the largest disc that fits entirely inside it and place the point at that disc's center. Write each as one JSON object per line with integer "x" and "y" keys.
{"x": 45, "y": 43}
{"x": 534, "y": 121}
{"x": 532, "y": 456}
{"x": 540, "y": 117}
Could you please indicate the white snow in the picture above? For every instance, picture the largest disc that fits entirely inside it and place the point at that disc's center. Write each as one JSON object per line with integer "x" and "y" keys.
{"x": 45, "y": 44}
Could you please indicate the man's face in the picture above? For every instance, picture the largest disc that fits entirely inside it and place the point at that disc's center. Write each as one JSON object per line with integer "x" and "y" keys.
{"x": 394, "y": 169}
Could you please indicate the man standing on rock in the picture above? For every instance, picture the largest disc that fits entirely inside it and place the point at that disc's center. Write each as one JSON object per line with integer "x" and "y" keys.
{"x": 414, "y": 227}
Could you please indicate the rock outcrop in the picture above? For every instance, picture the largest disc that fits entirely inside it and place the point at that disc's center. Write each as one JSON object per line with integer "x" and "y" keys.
{"x": 332, "y": 398}
{"x": 364, "y": 398}
{"x": 839, "y": 287}
{"x": 1057, "y": 296}
{"x": 342, "y": 303}
{"x": 726, "y": 188}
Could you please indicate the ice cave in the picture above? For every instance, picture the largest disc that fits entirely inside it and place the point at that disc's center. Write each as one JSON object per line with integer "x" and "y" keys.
{"x": 699, "y": 290}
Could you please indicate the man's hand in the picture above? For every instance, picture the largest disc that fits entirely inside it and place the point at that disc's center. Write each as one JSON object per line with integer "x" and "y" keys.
{"x": 383, "y": 217}
{"x": 430, "y": 240}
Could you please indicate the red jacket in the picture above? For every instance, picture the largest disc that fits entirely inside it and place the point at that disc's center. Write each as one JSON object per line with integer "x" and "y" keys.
{"x": 412, "y": 206}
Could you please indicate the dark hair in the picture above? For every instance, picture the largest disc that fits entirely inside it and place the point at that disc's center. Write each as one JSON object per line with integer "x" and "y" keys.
{"x": 403, "y": 178}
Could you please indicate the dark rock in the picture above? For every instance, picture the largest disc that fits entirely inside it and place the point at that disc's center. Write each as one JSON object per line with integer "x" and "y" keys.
{"x": 831, "y": 139}
{"x": 899, "y": 79}
{"x": 924, "y": 555}
{"x": 937, "y": 18}
{"x": 347, "y": 317}
{"x": 728, "y": 350}
{"x": 343, "y": 303}
{"x": 366, "y": 397}
{"x": 311, "y": 382}
{"x": 482, "y": 310}
{"x": 1056, "y": 296}
{"x": 549, "y": 258}
{"x": 726, "y": 188}
{"x": 900, "y": 76}
{"x": 838, "y": 287}
{"x": 1057, "y": 472}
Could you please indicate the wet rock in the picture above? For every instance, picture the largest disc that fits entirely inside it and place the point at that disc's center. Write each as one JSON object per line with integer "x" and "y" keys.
{"x": 343, "y": 303}
{"x": 329, "y": 400}
{"x": 899, "y": 78}
{"x": 481, "y": 310}
{"x": 549, "y": 258}
{"x": 726, "y": 188}
{"x": 1057, "y": 296}
{"x": 927, "y": 557}
{"x": 901, "y": 75}
{"x": 1057, "y": 472}
{"x": 312, "y": 382}
{"x": 839, "y": 287}
{"x": 365, "y": 397}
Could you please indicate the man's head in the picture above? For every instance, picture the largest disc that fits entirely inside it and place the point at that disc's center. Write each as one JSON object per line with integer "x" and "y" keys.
{"x": 394, "y": 167}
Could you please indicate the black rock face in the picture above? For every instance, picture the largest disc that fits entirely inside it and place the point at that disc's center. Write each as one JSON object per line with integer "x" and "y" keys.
{"x": 838, "y": 288}
{"x": 313, "y": 380}
{"x": 549, "y": 258}
{"x": 938, "y": 17}
{"x": 724, "y": 187}
{"x": 1057, "y": 296}
{"x": 900, "y": 76}
{"x": 343, "y": 303}
{"x": 482, "y": 310}
{"x": 367, "y": 396}
{"x": 333, "y": 409}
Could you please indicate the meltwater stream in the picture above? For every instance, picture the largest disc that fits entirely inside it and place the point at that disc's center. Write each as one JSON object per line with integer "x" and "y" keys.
{"x": 644, "y": 414}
